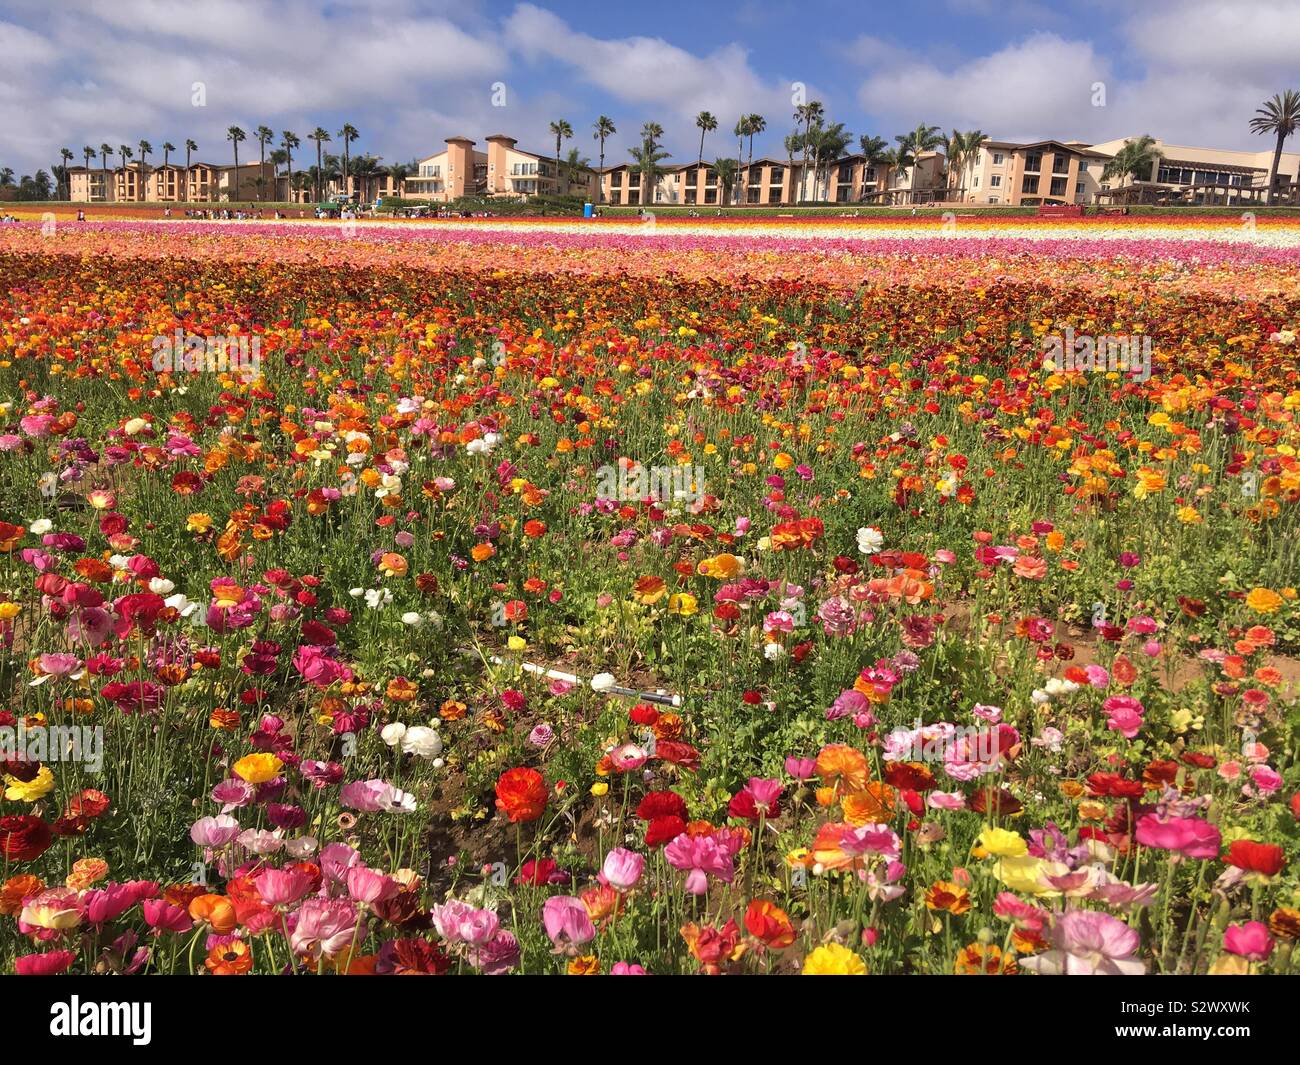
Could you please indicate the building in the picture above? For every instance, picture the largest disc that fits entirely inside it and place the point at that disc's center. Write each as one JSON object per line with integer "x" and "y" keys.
{"x": 170, "y": 183}
{"x": 1030, "y": 174}
{"x": 1202, "y": 176}
{"x": 503, "y": 170}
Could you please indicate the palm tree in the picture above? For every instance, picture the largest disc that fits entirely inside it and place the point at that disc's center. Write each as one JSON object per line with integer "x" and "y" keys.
{"x": 367, "y": 170}
{"x": 265, "y": 135}
{"x": 873, "y": 154}
{"x": 1281, "y": 117}
{"x": 87, "y": 153}
{"x": 602, "y": 131}
{"x": 399, "y": 173}
{"x": 647, "y": 159}
{"x": 289, "y": 141}
{"x": 960, "y": 148}
{"x": 563, "y": 131}
{"x": 105, "y": 150}
{"x": 705, "y": 123}
{"x": 726, "y": 171}
{"x": 66, "y": 155}
{"x": 349, "y": 133}
{"x": 127, "y": 155}
{"x": 740, "y": 131}
{"x": 6, "y": 177}
{"x": 1136, "y": 159}
{"x": 922, "y": 139}
{"x": 828, "y": 145}
{"x": 809, "y": 114}
{"x": 190, "y": 148}
{"x": 236, "y": 136}
{"x": 755, "y": 124}
{"x": 321, "y": 137}
{"x": 574, "y": 165}
{"x": 145, "y": 149}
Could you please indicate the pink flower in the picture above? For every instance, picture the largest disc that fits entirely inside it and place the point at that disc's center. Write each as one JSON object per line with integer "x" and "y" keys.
{"x": 625, "y": 968}
{"x": 622, "y": 869}
{"x": 801, "y": 768}
{"x": 282, "y": 887}
{"x": 1126, "y": 722}
{"x": 325, "y": 924}
{"x": 699, "y": 856}
{"x": 628, "y": 757}
{"x": 1250, "y": 940}
{"x": 49, "y": 964}
{"x": 162, "y": 916}
{"x": 1088, "y": 943}
{"x": 214, "y": 831}
{"x": 369, "y": 885}
{"x": 1189, "y": 836}
{"x": 567, "y": 923}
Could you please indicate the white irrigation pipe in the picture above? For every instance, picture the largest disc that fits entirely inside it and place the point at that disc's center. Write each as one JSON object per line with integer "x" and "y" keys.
{"x": 609, "y": 687}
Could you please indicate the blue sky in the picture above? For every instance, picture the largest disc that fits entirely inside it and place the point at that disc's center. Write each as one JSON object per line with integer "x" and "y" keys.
{"x": 409, "y": 73}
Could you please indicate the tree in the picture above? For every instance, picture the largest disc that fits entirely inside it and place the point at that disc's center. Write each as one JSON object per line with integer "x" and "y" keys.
{"x": 740, "y": 131}
{"x": 367, "y": 170}
{"x": 321, "y": 137}
{"x": 88, "y": 154}
{"x": 66, "y": 156}
{"x": 1136, "y": 159}
{"x": 1279, "y": 116}
{"x": 265, "y": 135}
{"x": 399, "y": 173}
{"x": 873, "y": 154}
{"x": 647, "y": 159}
{"x": 145, "y": 149}
{"x": 349, "y": 134}
{"x": 960, "y": 148}
{"x": 828, "y": 144}
{"x": 705, "y": 123}
{"x": 190, "y": 148}
{"x": 726, "y": 171}
{"x": 6, "y": 177}
{"x": 809, "y": 114}
{"x": 127, "y": 154}
{"x": 105, "y": 150}
{"x": 236, "y": 136}
{"x": 575, "y": 166}
{"x": 563, "y": 131}
{"x": 922, "y": 139}
{"x": 602, "y": 131}
{"x": 755, "y": 124}
{"x": 289, "y": 141}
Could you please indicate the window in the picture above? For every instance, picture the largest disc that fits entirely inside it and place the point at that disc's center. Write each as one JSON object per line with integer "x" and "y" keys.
{"x": 993, "y": 199}
{"x": 711, "y": 194}
{"x": 977, "y": 181}
{"x": 995, "y": 181}
{"x": 774, "y": 194}
{"x": 998, "y": 158}
{"x": 1080, "y": 187}
{"x": 616, "y": 179}
{"x": 692, "y": 178}
{"x": 1058, "y": 186}
{"x": 1033, "y": 162}
{"x": 1060, "y": 164}
{"x": 1029, "y": 184}
{"x": 846, "y": 172}
{"x": 754, "y": 195}
{"x": 776, "y": 175}
{"x": 870, "y": 175}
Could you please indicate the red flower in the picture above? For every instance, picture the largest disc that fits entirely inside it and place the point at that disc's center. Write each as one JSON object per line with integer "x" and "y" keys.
{"x": 23, "y": 837}
{"x": 1114, "y": 786}
{"x": 1253, "y": 857}
{"x": 664, "y": 830}
{"x": 678, "y": 753}
{"x": 658, "y": 804}
{"x": 767, "y": 922}
{"x": 521, "y": 794}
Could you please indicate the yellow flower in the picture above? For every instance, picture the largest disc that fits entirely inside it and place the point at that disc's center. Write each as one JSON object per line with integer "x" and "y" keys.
{"x": 1002, "y": 844}
{"x": 9, "y": 610}
{"x": 1149, "y": 482}
{"x": 723, "y": 566}
{"x": 1189, "y": 516}
{"x": 831, "y": 959}
{"x": 1029, "y": 875}
{"x": 258, "y": 768}
{"x": 1263, "y": 601}
{"x": 600, "y": 788}
{"x": 30, "y": 790}
{"x": 516, "y": 643}
{"x": 585, "y": 965}
{"x": 198, "y": 523}
{"x": 683, "y": 603}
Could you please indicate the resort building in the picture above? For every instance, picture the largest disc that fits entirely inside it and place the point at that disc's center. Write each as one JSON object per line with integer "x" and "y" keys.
{"x": 503, "y": 170}
{"x": 1038, "y": 173}
{"x": 200, "y": 183}
{"x": 1186, "y": 175}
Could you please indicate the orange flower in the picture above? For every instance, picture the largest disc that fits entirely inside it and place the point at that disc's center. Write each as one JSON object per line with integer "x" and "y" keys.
{"x": 949, "y": 897}
{"x": 482, "y": 552}
{"x": 521, "y": 794}
{"x": 985, "y": 959}
{"x": 216, "y": 911}
{"x": 839, "y": 762}
{"x": 401, "y": 690}
{"x": 17, "y": 888}
{"x": 649, "y": 589}
{"x": 1264, "y": 601}
{"x": 770, "y": 924}
{"x": 584, "y": 965}
{"x": 86, "y": 871}
{"x": 874, "y": 804}
{"x": 230, "y": 959}
{"x": 393, "y": 564}
{"x": 452, "y": 710}
{"x": 225, "y": 720}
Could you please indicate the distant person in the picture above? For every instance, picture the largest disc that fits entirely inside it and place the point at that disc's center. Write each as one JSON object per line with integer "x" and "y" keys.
{"x": 81, "y": 215}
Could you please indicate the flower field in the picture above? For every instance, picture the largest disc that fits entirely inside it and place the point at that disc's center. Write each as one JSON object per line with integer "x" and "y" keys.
{"x": 497, "y": 597}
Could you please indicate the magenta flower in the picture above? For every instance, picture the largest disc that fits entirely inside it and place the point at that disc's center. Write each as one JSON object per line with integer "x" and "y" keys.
{"x": 567, "y": 923}
{"x": 1189, "y": 836}
{"x": 622, "y": 869}
{"x": 699, "y": 856}
{"x": 1250, "y": 940}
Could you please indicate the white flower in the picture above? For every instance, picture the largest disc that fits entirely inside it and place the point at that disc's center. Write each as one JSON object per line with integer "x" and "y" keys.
{"x": 422, "y": 741}
{"x": 412, "y": 617}
{"x": 378, "y": 598}
{"x": 40, "y": 526}
{"x": 870, "y": 540}
{"x": 180, "y": 603}
{"x": 392, "y": 733}
{"x": 356, "y": 593}
{"x": 302, "y": 847}
{"x": 1039, "y": 696}
{"x": 773, "y": 651}
{"x": 602, "y": 682}
{"x": 161, "y": 586}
